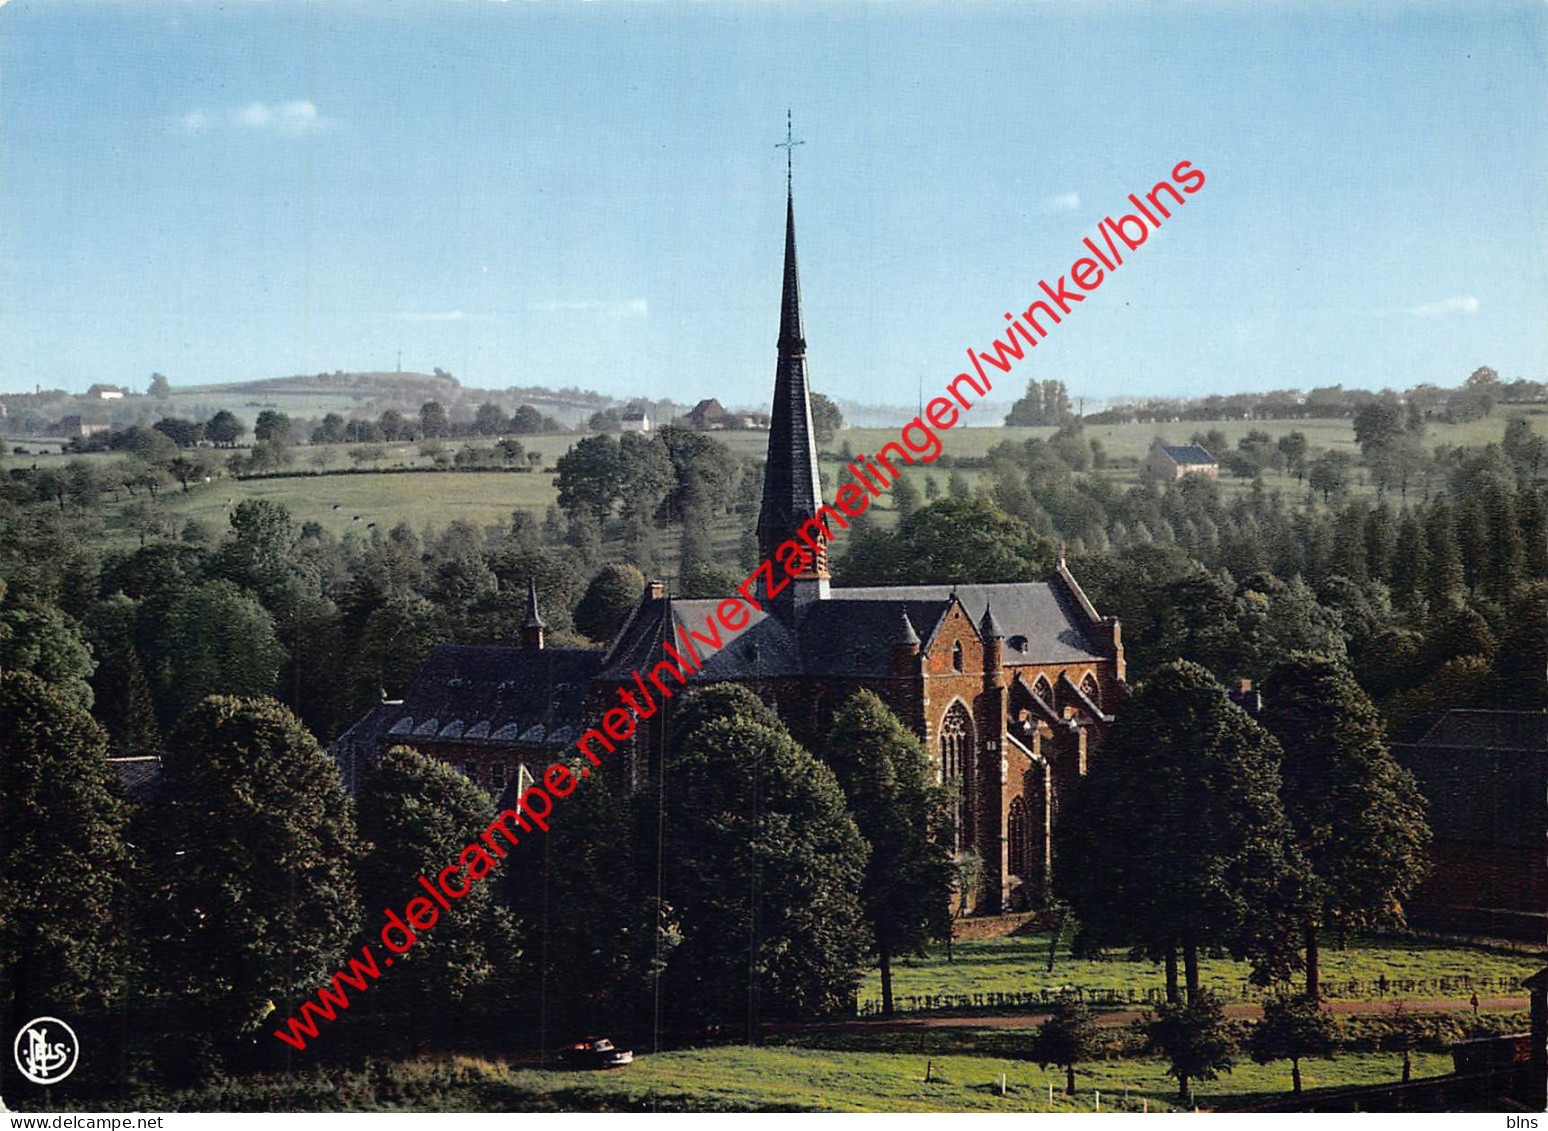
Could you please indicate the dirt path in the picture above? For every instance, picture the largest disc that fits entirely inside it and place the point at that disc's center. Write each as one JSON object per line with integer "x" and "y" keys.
{"x": 908, "y": 1022}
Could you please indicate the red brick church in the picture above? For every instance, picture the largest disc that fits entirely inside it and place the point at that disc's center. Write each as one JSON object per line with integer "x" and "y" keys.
{"x": 1011, "y": 686}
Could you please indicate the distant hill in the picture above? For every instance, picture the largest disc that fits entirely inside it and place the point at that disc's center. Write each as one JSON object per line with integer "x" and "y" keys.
{"x": 359, "y": 385}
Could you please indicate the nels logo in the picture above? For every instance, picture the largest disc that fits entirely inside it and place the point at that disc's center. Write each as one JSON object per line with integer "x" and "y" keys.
{"x": 46, "y": 1050}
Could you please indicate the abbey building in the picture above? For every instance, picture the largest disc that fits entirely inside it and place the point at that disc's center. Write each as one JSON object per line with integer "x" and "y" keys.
{"x": 1011, "y": 686}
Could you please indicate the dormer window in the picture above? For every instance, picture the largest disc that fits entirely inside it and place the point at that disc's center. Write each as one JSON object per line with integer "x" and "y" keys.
{"x": 956, "y": 656}
{"x": 1018, "y": 642}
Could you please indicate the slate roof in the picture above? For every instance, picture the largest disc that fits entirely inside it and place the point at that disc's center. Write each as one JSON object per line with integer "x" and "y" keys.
{"x": 1484, "y": 774}
{"x": 851, "y": 633}
{"x": 1187, "y": 453}
{"x": 1499, "y": 730}
{"x": 140, "y": 776}
{"x": 473, "y": 693}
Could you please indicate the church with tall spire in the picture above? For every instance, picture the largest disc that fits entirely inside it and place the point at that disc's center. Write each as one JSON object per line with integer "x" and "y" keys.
{"x": 1010, "y": 686}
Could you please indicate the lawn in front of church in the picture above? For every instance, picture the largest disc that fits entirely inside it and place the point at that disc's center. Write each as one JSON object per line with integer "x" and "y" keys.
{"x": 1020, "y": 964}
{"x": 738, "y": 1078}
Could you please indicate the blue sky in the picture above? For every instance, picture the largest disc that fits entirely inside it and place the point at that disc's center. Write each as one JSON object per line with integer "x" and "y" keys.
{"x": 590, "y": 195}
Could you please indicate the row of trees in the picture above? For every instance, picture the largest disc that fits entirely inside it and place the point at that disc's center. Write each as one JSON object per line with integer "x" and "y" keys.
{"x": 755, "y": 887}
{"x": 1477, "y": 397}
{"x": 1201, "y": 828}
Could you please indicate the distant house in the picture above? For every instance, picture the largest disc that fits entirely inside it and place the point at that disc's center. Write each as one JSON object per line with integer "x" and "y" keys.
{"x": 710, "y": 416}
{"x": 1484, "y": 774}
{"x": 1170, "y": 462}
{"x": 74, "y": 426}
{"x": 106, "y": 392}
{"x": 634, "y": 422}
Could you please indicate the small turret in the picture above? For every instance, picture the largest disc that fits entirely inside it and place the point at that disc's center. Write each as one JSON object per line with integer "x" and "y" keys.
{"x": 994, "y": 648}
{"x": 532, "y": 625}
{"x": 905, "y": 647}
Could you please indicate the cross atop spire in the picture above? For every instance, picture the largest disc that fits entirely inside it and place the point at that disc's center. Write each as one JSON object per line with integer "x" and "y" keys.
{"x": 788, "y": 145}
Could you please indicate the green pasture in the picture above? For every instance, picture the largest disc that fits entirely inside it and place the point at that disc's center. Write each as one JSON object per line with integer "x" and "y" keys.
{"x": 740, "y": 1078}
{"x": 1020, "y": 964}
{"x": 387, "y": 497}
{"x": 483, "y": 498}
{"x": 817, "y": 1079}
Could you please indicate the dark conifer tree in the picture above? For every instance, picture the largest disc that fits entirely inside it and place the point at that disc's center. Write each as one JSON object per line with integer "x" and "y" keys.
{"x": 1445, "y": 577}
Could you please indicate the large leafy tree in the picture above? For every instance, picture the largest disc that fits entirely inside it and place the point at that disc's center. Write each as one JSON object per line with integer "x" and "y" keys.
{"x": 590, "y": 477}
{"x": 906, "y": 818}
{"x": 1177, "y": 838}
{"x": 259, "y": 554}
{"x": 36, "y": 637}
{"x": 1357, "y": 815}
{"x": 763, "y": 868}
{"x": 592, "y": 935}
{"x": 209, "y": 639}
{"x": 253, "y": 851}
{"x": 1067, "y": 1038}
{"x": 63, "y": 863}
{"x": 952, "y": 540}
{"x": 827, "y": 420}
{"x": 417, "y": 814}
{"x": 609, "y": 597}
{"x": 224, "y": 428}
{"x": 1195, "y": 1040}
{"x": 1292, "y": 1028}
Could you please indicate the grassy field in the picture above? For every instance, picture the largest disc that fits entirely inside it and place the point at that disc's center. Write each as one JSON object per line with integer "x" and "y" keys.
{"x": 387, "y": 497}
{"x": 827, "y": 1080}
{"x": 1021, "y": 964}
{"x": 786, "y": 1079}
{"x": 483, "y": 498}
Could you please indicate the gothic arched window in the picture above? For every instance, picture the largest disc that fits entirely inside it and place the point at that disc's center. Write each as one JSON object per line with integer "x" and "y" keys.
{"x": 957, "y": 767}
{"x": 956, "y": 655}
{"x": 1089, "y": 687}
{"x": 1016, "y": 834}
{"x": 1041, "y": 689}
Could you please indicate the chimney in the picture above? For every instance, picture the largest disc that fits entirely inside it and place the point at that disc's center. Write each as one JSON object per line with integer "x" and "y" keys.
{"x": 1243, "y": 695}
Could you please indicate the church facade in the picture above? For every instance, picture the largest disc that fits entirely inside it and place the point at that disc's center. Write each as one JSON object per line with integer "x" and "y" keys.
{"x": 1012, "y": 686}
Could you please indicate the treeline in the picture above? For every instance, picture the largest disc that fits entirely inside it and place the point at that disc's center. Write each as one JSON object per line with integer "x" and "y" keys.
{"x": 1478, "y": 396}
{"x": 1435, "y": 604}
{"x": 192, "y": 923}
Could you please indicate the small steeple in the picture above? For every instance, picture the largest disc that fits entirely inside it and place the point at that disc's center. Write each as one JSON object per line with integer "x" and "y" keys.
{"x": 989, "y": 628}
{"x": 532, "y": 625}
{"x": 905, "y": 634}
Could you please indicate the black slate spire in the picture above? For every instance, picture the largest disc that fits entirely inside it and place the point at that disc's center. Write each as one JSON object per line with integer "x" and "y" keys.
{"x": 532, "y": 625}
{"x": 534, "y": 619}
{"x": 792, "y": 490}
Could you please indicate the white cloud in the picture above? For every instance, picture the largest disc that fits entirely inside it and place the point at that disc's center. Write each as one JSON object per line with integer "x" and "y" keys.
{"x": 432, "y": 316}
{"x": 292, "y": 119}
{"x": 626, "y": 307}
{"x": 1461, "y": 304}
{"x": 1063, "y": 202}
{"x": 256, "y": 115}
